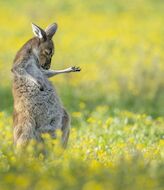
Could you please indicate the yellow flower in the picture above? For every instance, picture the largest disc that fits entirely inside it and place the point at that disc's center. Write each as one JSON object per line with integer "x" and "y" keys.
{"x": 76, "y": 114}
{"x": 92, "y": 185}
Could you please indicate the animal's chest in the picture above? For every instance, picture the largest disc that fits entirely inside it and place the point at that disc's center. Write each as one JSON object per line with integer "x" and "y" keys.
{"x": 47, "y": 106}
{"x": 34, "y": 99}
{"x": 46, "y": 98}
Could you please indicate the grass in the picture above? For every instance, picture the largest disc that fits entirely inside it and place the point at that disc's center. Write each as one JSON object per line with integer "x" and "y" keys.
{"x": 115, "y": 102}
{"x": 105, "y": 152}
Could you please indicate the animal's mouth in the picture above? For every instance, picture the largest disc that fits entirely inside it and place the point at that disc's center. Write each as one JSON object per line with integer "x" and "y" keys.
{"x": 46, "y": 66}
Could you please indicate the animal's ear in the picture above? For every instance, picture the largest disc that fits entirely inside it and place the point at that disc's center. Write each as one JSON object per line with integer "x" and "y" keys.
{"x": 40, "y": 33}
{"x": 51, "y": 30}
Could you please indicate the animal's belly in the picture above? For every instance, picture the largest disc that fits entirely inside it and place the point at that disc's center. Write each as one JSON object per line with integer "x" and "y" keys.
{"x": 47, "y": 108}
{"x": 43, "y": 106}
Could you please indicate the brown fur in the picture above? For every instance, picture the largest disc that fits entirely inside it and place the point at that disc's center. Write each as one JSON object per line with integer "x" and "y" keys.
{"x": 37, "y": 107}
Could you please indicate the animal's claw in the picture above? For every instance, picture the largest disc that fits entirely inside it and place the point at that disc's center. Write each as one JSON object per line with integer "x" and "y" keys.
{"x": 76, "y": 69}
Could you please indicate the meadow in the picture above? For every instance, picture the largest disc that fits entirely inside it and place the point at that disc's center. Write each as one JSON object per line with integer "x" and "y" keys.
{"x": 116, "y": 102}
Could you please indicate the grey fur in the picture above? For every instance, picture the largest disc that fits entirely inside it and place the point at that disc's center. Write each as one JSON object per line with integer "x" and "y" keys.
{"x": 37, "y": 107}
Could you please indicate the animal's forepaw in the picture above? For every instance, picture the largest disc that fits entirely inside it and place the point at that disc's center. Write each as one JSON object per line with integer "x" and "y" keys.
{"x": 76, "y": 69}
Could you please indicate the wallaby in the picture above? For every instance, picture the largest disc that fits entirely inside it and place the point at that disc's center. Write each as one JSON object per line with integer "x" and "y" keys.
{"x": 37, "y": 107}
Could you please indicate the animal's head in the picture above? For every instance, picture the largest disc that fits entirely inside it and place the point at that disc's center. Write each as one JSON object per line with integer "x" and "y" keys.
{"x": 45, "y": 48}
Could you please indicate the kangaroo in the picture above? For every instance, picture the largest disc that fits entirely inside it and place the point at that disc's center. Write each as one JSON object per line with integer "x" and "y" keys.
{"x": 37, "y": 107}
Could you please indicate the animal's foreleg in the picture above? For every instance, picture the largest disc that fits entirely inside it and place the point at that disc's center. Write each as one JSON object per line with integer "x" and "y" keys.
{"x": 22, "y": 71}
{"x": 51, "y": 73}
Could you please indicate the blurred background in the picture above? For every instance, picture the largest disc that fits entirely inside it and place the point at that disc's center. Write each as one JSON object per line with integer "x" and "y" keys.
{"x": 118, "y": 44}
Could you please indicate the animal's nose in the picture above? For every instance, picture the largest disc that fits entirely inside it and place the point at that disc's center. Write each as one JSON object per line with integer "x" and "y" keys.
{"x": 47, "y": 65}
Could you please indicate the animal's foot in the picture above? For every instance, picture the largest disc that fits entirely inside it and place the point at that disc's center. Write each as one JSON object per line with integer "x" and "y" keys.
{"x": 76, "y": 69}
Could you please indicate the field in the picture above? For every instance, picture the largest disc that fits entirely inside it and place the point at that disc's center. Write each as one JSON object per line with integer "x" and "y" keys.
{"x": 116, "y": 102}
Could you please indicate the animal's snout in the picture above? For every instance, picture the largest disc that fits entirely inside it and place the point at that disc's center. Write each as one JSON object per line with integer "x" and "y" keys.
{"x": 47, "y": 67}
{"x": 47, "y": 64}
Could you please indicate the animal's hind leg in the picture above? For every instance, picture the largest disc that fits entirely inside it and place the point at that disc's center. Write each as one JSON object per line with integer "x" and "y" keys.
{"x": 24, "y": 132}
{"x": 65, "y": 128}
